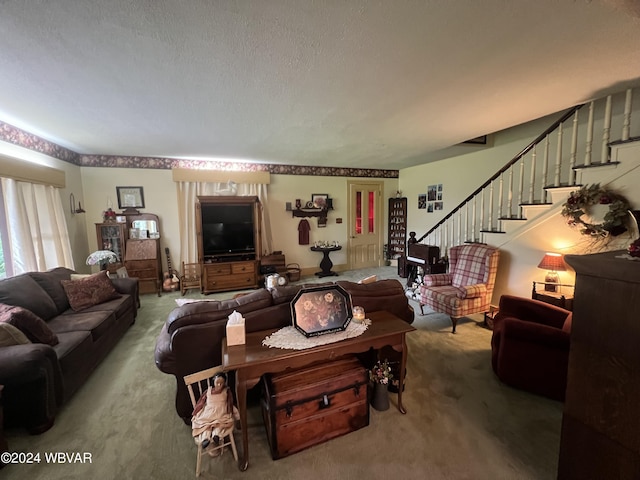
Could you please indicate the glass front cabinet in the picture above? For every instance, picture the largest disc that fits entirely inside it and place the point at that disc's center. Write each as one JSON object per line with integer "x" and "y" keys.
{"x": 111, "y": 236}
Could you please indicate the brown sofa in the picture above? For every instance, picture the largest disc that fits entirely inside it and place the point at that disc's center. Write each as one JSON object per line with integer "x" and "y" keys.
{"x": 56, "y": 347}
{"x": 191, "y": 339}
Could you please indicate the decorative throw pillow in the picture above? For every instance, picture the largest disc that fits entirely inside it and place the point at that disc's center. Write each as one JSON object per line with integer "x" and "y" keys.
{"x": 89, "y": 291}
{"x": 35, "y": 329}
{"x": 10, "y": 335}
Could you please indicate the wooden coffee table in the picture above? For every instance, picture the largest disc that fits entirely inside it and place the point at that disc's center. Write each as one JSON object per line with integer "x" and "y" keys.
{"x": 252, "y": 360}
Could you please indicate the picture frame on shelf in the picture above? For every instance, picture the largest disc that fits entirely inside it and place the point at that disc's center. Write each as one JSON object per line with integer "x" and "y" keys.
{"x": 130, "y": 197}
{"x": 319, "y": 200}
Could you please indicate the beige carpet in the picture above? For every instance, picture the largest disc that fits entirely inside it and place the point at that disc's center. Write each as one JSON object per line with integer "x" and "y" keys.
{"x": 461, "y": 422}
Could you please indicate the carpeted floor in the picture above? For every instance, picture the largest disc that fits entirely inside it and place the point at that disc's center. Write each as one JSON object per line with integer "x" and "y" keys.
{"x": 461, "y": 422}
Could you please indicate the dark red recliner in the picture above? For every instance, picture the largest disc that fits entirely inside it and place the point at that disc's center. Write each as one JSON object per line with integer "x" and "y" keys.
{"x": 530, "y": 346}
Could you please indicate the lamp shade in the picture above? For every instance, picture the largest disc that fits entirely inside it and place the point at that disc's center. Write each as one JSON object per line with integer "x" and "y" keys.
{"x": 553, "y": 262}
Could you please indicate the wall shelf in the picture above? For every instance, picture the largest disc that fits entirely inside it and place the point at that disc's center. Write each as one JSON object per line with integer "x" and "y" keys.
{"x": 309, "y": 212}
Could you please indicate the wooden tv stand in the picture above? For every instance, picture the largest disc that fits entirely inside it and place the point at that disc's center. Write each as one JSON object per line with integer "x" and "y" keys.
{"x": 222, "y": 276}
{"x": 233, "y": 271}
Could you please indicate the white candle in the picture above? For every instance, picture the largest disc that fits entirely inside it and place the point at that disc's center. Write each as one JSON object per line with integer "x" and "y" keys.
{"x": 358, "y": 314}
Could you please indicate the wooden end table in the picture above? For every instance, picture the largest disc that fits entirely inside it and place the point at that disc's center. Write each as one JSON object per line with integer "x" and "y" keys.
{"x": 562, "y": 300}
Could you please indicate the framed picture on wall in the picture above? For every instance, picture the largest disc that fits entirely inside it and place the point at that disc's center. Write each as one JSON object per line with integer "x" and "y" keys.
{"x": 130, "y": 197}
{"x": 319, "y": 200}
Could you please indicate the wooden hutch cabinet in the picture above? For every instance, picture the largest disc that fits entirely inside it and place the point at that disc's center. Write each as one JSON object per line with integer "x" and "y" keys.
{"x": 140, "y": 256}
{"x": 600, "y": 422}
{"x": 142, "y": 261}
{"x": 229, "y": 234}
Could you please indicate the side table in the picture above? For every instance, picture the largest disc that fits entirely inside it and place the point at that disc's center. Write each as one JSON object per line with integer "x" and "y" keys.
{"x": 562, "y": 300}
{"x": 489, "y": 316}
{"x": 326, "y": 264}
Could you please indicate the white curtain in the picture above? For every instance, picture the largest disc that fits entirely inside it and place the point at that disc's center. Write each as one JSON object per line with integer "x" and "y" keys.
{"x": 36, "y": 228}
{"x": 187, "y": 193}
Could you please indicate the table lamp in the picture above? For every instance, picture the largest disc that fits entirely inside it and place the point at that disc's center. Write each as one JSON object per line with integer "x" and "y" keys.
{"x": 553, "y": 263}
{"x": 102, "y": 258}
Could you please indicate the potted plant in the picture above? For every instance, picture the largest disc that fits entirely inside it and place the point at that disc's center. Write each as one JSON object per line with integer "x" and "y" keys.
{"x": 380, "y": 375}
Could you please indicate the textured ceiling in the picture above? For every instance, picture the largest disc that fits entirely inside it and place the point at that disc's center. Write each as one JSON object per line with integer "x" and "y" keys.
{"x": 357, "y": 83}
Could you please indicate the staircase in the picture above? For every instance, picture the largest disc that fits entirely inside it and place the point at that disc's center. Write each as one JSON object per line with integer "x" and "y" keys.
{"x": 585, "y": 145}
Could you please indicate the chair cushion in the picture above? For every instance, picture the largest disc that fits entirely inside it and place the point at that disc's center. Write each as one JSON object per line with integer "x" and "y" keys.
{"x": 34, "y": 328}
{"x": 98, "y": 323}
{"x": 86, "y": 292}
{"x": 566, "y": 326}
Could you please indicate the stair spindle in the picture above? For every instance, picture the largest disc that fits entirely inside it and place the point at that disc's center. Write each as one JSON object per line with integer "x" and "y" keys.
{"x": 626, "y": 122}
{"x": 606, "y": 132}
{"x": 532, "y": 175}
{"x": 574, "y": 150}
{"x": 589, "y": 141}
{"x": 558, "y": 164}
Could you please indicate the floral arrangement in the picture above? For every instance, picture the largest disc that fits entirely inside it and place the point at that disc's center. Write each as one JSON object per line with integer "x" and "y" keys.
{"x": 580, "y": 201}
{"x": 634, "y": 248}
{"x": 381, "y": 372}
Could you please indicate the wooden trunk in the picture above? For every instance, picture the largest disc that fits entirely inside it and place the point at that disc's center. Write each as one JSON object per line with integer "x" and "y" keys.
{"x": 308, "y": 406}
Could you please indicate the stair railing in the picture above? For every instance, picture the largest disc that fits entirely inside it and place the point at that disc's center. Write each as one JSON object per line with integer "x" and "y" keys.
{"x": 484, "y": 210}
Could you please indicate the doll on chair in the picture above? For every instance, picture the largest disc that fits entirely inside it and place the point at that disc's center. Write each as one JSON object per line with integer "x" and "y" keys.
{"x": 214, "y": 415}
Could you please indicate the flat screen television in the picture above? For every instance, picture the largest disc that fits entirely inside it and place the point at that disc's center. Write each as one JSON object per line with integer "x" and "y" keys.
{"x": 227, "y": 231}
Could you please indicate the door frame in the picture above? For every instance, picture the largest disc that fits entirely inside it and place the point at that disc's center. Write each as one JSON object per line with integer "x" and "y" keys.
{"x": 380, "y": 206}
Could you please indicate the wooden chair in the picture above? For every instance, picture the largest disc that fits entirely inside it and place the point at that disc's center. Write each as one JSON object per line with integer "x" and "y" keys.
{"x": 191, "y": 277}
{"x": 197, "y": 384}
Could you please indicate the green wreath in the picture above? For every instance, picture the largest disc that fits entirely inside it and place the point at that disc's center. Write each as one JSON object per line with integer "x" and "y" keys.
{"x": 581, "y": 200}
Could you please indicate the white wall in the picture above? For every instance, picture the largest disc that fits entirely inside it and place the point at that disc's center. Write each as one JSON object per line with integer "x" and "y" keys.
{"x": 462, "y": 175}
{"x": 160, "y": 196}
{"x": 522, "y": 250}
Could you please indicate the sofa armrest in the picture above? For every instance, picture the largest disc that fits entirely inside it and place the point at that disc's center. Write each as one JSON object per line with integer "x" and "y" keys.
{"x": 472, "y": 291}
{"x": 22, "y": 364}
{"x": 128, "y": 286}
{"x": 437, "y": 280}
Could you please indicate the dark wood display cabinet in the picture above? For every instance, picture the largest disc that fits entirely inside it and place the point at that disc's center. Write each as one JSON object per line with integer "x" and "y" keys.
{"x": 112, "y": 236}
{"x": 397, "y": 242}
{"x": 599, "y": 436}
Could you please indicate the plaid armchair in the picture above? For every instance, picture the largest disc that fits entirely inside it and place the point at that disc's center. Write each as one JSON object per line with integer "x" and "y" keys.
{"x": 467, "y": 288}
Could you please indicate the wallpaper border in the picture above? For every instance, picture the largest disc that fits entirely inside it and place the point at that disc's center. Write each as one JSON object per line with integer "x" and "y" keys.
{"x": 16, "y": 136}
